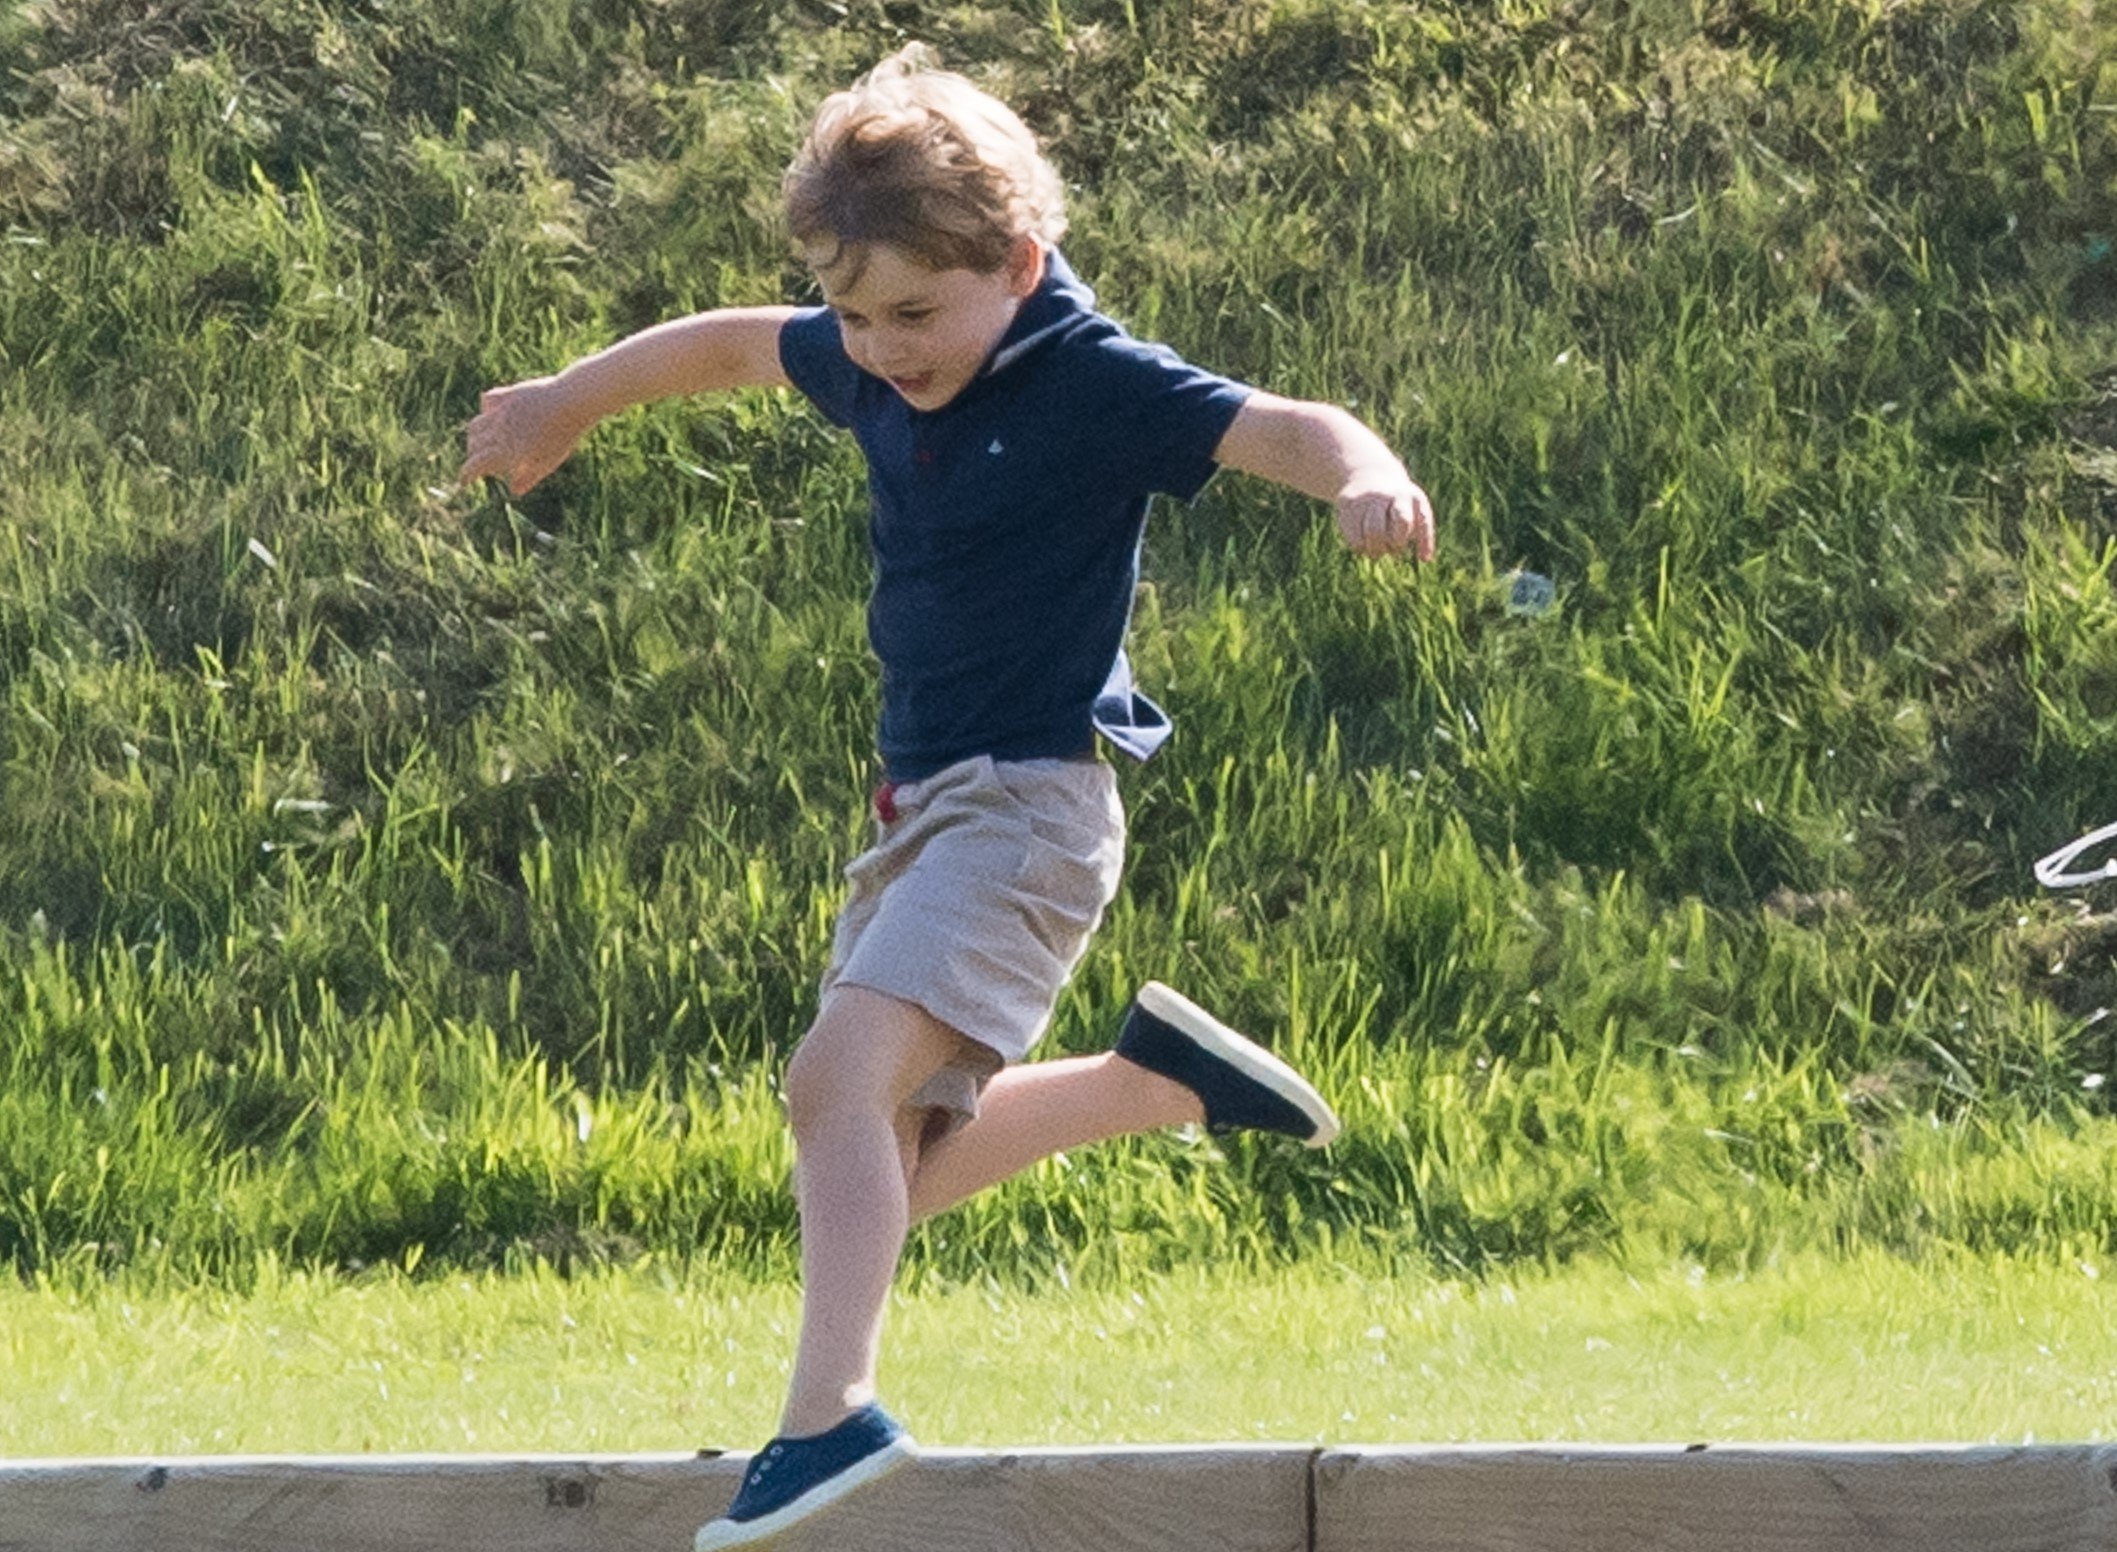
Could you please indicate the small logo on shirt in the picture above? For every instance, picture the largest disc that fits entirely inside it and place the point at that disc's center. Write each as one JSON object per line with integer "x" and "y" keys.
{"x": 995, "y": 449}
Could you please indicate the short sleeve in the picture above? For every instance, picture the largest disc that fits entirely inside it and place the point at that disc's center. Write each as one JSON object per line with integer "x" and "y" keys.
{"x": 812, "y": 350}
{"x": 1171, "y": 415}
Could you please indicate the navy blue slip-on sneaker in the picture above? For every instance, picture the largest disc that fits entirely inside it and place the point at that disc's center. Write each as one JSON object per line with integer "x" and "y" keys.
{"x": 1241, "y": 1084}
{"x": 790, "y": 1479}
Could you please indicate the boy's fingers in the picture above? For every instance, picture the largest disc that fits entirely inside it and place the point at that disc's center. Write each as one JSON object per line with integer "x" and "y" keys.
{"x": 1389, "y": 532}
{"x": 1412, "y": 523}
{"x": 1376, "y": 526}
{"x": 486, "y": 452}
{"x": 1422, "y": 526}
{"x": 1403, "y": 525}
{"x": 1383, "y": 525}
{"x": 480, "y": 462}
{"x": 1356, "y": 525}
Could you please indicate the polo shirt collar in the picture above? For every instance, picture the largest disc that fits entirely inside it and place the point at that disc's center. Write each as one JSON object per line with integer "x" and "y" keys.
{"x": 1060, "y": 302}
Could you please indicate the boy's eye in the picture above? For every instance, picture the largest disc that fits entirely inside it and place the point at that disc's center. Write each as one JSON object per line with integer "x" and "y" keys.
{"x": 914, "y": 314}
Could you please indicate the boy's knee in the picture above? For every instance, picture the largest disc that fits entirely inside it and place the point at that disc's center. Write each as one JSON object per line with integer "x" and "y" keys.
{"x": 818, "y": 1084}
{"x": 865, "y": 1054}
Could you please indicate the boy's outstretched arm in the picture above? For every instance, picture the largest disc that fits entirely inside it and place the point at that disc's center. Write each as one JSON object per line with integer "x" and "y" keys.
{"x": 524, "y": 431}
{"x": 1322, "y": 451}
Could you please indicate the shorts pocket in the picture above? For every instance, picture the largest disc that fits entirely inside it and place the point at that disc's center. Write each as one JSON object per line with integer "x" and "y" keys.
{"x": 1071, "y": 803}
{"x": 1075, "y": 849}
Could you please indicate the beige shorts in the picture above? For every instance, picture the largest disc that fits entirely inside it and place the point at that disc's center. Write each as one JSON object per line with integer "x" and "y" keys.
{"x": 977, "y": 901}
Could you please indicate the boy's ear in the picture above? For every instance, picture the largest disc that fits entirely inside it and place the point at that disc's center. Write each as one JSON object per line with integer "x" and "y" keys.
{"x": 1025, "y": 266}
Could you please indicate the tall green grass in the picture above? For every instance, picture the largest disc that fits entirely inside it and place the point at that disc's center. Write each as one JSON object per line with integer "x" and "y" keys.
{"x": 395, "y": 875}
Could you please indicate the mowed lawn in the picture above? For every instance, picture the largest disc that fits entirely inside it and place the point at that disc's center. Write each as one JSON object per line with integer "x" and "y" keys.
{"x": 1871, "y": 1348}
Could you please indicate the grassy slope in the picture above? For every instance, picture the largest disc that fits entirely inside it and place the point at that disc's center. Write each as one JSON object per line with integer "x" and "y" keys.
{"x": 387, "y": 874}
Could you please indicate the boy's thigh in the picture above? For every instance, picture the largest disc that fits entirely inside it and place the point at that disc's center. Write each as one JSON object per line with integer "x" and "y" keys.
{"x": 869, "y": 1048}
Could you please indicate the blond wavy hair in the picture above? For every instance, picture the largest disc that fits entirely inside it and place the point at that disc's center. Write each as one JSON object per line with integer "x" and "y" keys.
{"x": 919, "y": 158}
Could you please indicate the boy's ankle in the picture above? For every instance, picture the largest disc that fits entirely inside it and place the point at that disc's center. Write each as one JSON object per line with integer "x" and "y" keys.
{"x": 807, "y": 1418}
{"x": 1165, "y": 1101}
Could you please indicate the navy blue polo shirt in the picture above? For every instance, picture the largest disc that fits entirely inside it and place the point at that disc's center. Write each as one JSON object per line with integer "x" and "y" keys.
{"x": 1006, "y": 525}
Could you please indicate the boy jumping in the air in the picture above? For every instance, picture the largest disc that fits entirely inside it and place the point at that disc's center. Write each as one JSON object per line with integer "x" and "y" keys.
{"x": 1013, "y": 437}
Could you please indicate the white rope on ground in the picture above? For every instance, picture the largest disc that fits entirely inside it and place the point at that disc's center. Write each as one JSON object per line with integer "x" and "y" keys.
{"x": 2051, "y": 871}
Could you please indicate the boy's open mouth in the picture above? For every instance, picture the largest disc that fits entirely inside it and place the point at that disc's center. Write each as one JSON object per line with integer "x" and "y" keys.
{"x": 912, "y": 385}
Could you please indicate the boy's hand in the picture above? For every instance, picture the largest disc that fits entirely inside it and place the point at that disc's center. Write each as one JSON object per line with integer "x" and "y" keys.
{"x": 521, "y": 434}
{"x": 1323, "y": 452}
{"x": 1384, "y": 514}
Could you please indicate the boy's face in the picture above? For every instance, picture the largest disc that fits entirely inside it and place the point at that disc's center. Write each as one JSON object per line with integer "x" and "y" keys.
{"x": 927, "y": 332}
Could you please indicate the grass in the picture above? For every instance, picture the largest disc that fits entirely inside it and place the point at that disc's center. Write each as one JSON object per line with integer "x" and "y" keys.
{"x": 391, "y": 877}
{"x": 1965, "y": 1348}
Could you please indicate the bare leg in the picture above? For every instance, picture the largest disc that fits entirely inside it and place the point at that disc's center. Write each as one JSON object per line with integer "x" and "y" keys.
{"x": 1031, "y": 1112}
{"x": 846, "y": 1086}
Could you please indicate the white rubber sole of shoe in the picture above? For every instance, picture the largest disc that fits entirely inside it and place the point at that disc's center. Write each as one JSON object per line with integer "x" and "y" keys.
{"x": 1244, "y": 1055}
{"x": 716, "y": 1534}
